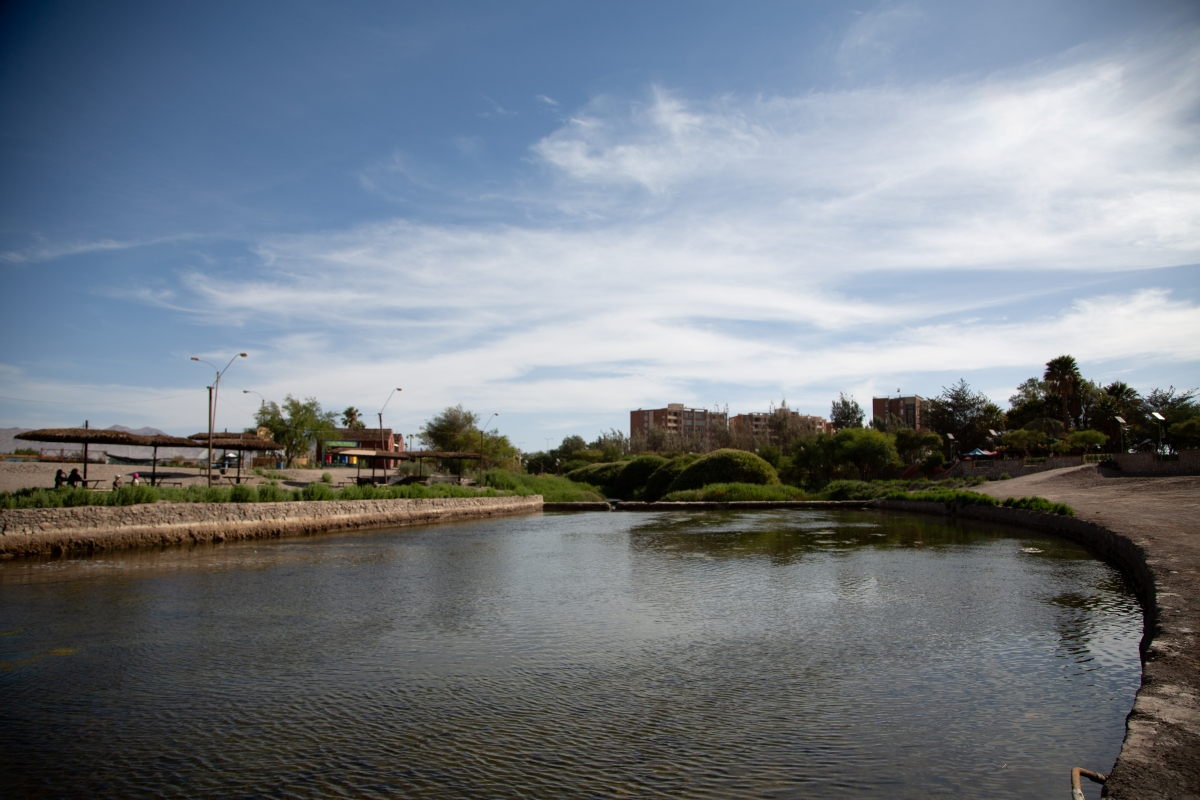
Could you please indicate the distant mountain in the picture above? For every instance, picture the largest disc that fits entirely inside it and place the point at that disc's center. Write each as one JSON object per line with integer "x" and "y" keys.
{"x": 9, "y": 442}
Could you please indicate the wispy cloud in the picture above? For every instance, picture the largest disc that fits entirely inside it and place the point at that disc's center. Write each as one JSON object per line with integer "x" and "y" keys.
{"x": 721, "y": 246}
{"x": 49, "y": 251}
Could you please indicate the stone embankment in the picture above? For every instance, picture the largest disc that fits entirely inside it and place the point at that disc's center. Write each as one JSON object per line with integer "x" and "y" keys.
{"x": 1147, "y": 528}
{"x": 45, "y": 531}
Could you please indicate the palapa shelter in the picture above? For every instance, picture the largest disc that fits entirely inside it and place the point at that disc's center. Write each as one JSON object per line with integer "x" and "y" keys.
{"x": 162, "y": 440}
{"x": 84, "y": 436}
{"x": 239, "y": 442}
{"x": 361, "y": 452}
{"x": 420, "y": 455}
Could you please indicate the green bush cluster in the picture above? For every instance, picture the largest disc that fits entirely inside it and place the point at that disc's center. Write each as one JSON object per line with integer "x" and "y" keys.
{"x": 552, "y": 488}
{"x": 602, "y": 475}
{"x": 1039, "y": 504}
{"x": 632, "y": 479}
{"x": 727, "y": 492}
{"x": 659, "y": 482}
{"x": 950, "y": 497}
{"x": 725, "y": 466}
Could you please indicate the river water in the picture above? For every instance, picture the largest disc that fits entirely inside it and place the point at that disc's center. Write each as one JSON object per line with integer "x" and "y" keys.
{"x": 787, "y": 654}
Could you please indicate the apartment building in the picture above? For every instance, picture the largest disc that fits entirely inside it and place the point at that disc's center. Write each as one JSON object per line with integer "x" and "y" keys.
{"x": 908, "y": 409}
{"x": 757, "y": 423}
{"x": 676, "y": 418}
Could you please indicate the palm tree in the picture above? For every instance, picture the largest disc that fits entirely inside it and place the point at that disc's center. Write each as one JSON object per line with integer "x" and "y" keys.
{"x": 1063, "y": 375}
{"x": 351, "y": 418}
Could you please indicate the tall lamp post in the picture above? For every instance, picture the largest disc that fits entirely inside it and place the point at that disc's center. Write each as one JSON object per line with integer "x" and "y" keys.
{"x": 381, "y": 442}
{"x": 1161, "y": 419}
{"x": 481, "y": 432}
{"x": 213, "y": 393}
{"x": 1121, "y": 428}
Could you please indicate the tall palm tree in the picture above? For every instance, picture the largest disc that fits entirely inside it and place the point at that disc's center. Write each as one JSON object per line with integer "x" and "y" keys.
{"x": 351, "y": 418}
{"x": 1063, "y": 375}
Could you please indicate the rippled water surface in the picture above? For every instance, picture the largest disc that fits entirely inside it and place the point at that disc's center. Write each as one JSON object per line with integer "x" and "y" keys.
{"x": 766, "y": 654}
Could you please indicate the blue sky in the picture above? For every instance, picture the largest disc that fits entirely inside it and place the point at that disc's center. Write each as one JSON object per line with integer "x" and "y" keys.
{"x": 562, "y": 212}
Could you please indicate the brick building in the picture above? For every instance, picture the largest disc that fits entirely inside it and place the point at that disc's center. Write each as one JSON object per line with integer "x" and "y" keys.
{"x": 358, "y": 438}
{"x": 909, "y": 409}
{"x": 677, "y": 419}
{"x": 757, "y": 424}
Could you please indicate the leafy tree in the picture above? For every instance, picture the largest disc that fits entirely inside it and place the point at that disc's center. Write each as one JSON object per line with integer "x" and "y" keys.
{"x": 916, "y": 445}
{"x": 295, "y": 425}
{"x": 453, "y": 430}
{"x": 1022, "y": 440}
{"x": 966, "y": 414}
{"x": 1186, "y": 434}
{"x": 771, "y": 454}
{"x": 1031, "y": 401}
{"x": 846, "y": 413}
{"x": 866, "y": 449}
{"x": 571, "y": 445}
{"x": 1086, "y": 439}
{"x": 813, "y": 460}
{"x": 612, "y": 445}
{"x": 1062, "y": 375}
{"x": 352, "y": 418}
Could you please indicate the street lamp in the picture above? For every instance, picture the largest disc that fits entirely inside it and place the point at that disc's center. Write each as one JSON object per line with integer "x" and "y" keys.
{"x": 213, "y": 393}
{"x": 263, "y": 403}
{"x": 1161, "y": 419}
{"x": 491, "y": 419}
{"x": 1121, "y": 428}
{"x": 385, "y": 404}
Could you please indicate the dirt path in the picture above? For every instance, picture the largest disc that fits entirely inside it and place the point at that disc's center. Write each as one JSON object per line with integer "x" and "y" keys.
{"x": 1161, "y": 754}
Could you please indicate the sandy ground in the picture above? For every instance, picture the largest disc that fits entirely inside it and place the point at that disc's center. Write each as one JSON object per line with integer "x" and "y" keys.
{"x": 16, "y": 475}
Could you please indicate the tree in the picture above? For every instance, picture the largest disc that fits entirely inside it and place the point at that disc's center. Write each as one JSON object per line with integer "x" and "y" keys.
{"x": 916, "y": 445}
{"x": 1062, "y": 374}
{"x": 296, "y": 425}
{"x": 965, "y": 414}
{"x": 453, "y": 430}
{"x": 352, "y": 418}
{"x": 846, "y": 413}
{"x": 866, "y": 449}
{"x": 1022, "y": 440}
{"x": 1031, "y": 401}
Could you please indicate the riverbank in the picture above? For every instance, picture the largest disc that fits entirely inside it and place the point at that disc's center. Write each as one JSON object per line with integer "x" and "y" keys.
{"x": 1150, "y": 528}
{"x": 47, "y": 531}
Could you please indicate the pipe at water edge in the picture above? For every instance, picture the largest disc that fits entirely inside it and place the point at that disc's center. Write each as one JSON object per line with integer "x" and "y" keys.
{"x": 1076, "y": 789}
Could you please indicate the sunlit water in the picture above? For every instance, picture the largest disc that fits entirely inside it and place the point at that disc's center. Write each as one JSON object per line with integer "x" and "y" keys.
{"x": 765, "y": 654}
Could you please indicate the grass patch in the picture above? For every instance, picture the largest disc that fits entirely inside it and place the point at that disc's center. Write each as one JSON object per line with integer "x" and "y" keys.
{"x": 726, "y": 492}
{"x": 1039, "y": 504}
{"x": 552, "y": 488}
{"x": 951, "y": 497}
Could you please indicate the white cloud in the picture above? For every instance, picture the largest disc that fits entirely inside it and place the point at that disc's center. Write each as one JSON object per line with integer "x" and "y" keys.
{"x": 725, "y": 242}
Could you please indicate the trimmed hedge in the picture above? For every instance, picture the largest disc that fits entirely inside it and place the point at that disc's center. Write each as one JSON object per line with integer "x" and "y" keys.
{"x": 633, "y": 478}
{"x": 660, "y": 482}
{"x": 725, "y": 466}
{"x": 602, "y": 475}
{"x": 1040, "y": 504}
{"x": 727, "y": 492}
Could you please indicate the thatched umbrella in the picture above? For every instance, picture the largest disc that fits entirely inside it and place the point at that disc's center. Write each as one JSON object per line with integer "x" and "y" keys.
{"x": 84, "y": 436}
{"x": 162, "y": 440}
{"x": 239, "y": 442}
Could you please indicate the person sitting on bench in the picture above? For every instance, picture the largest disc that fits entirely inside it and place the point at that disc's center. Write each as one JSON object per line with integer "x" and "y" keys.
{"x": 60, "y": 478}
{"x": 74, "y": 479}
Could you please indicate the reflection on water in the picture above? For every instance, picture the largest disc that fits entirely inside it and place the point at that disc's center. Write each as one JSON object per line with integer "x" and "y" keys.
{"x": 765, "y": 654}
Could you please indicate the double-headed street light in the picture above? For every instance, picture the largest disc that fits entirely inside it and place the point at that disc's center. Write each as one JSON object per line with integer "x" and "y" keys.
{"x": 213, "y": 392}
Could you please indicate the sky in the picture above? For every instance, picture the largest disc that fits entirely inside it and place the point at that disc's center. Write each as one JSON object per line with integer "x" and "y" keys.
{"x": 560, "y": 212}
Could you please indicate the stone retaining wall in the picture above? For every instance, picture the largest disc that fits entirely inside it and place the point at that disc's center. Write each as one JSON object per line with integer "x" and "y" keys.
{"x": 992, "y": 469}
{"x": 1150, "y": 753}
{"x": 40, "y": 531}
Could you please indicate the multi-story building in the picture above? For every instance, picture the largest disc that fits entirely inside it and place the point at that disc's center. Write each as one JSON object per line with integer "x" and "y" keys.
{"x": 757, "y": 423}
{"x": 677, "y": 419}
{"x": 908, "y": 409}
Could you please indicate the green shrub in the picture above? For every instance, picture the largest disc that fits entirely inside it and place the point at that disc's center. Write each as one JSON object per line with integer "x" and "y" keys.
{"x": 950, "y": 497}
{"x": 659, "y": 482}
{"x": 132, "y": 496}
{"x": 271, "y": 493}
{"x": 727, "y": 492}
{"x": 1039, "y": 504}
{"x": 632, "y": 479}
{"x": 771, "y": 454}
{"x": 326, "y": 477}
{"x": 242, "y": 493}
{"x": 602, "y": 475}
{"x": 725, "y": 466}
{"x": 1004, "y": 476}
{"x": 552, "y": 488}
{"x": 854, "y": 490}
{"x": 317, "y": 491}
